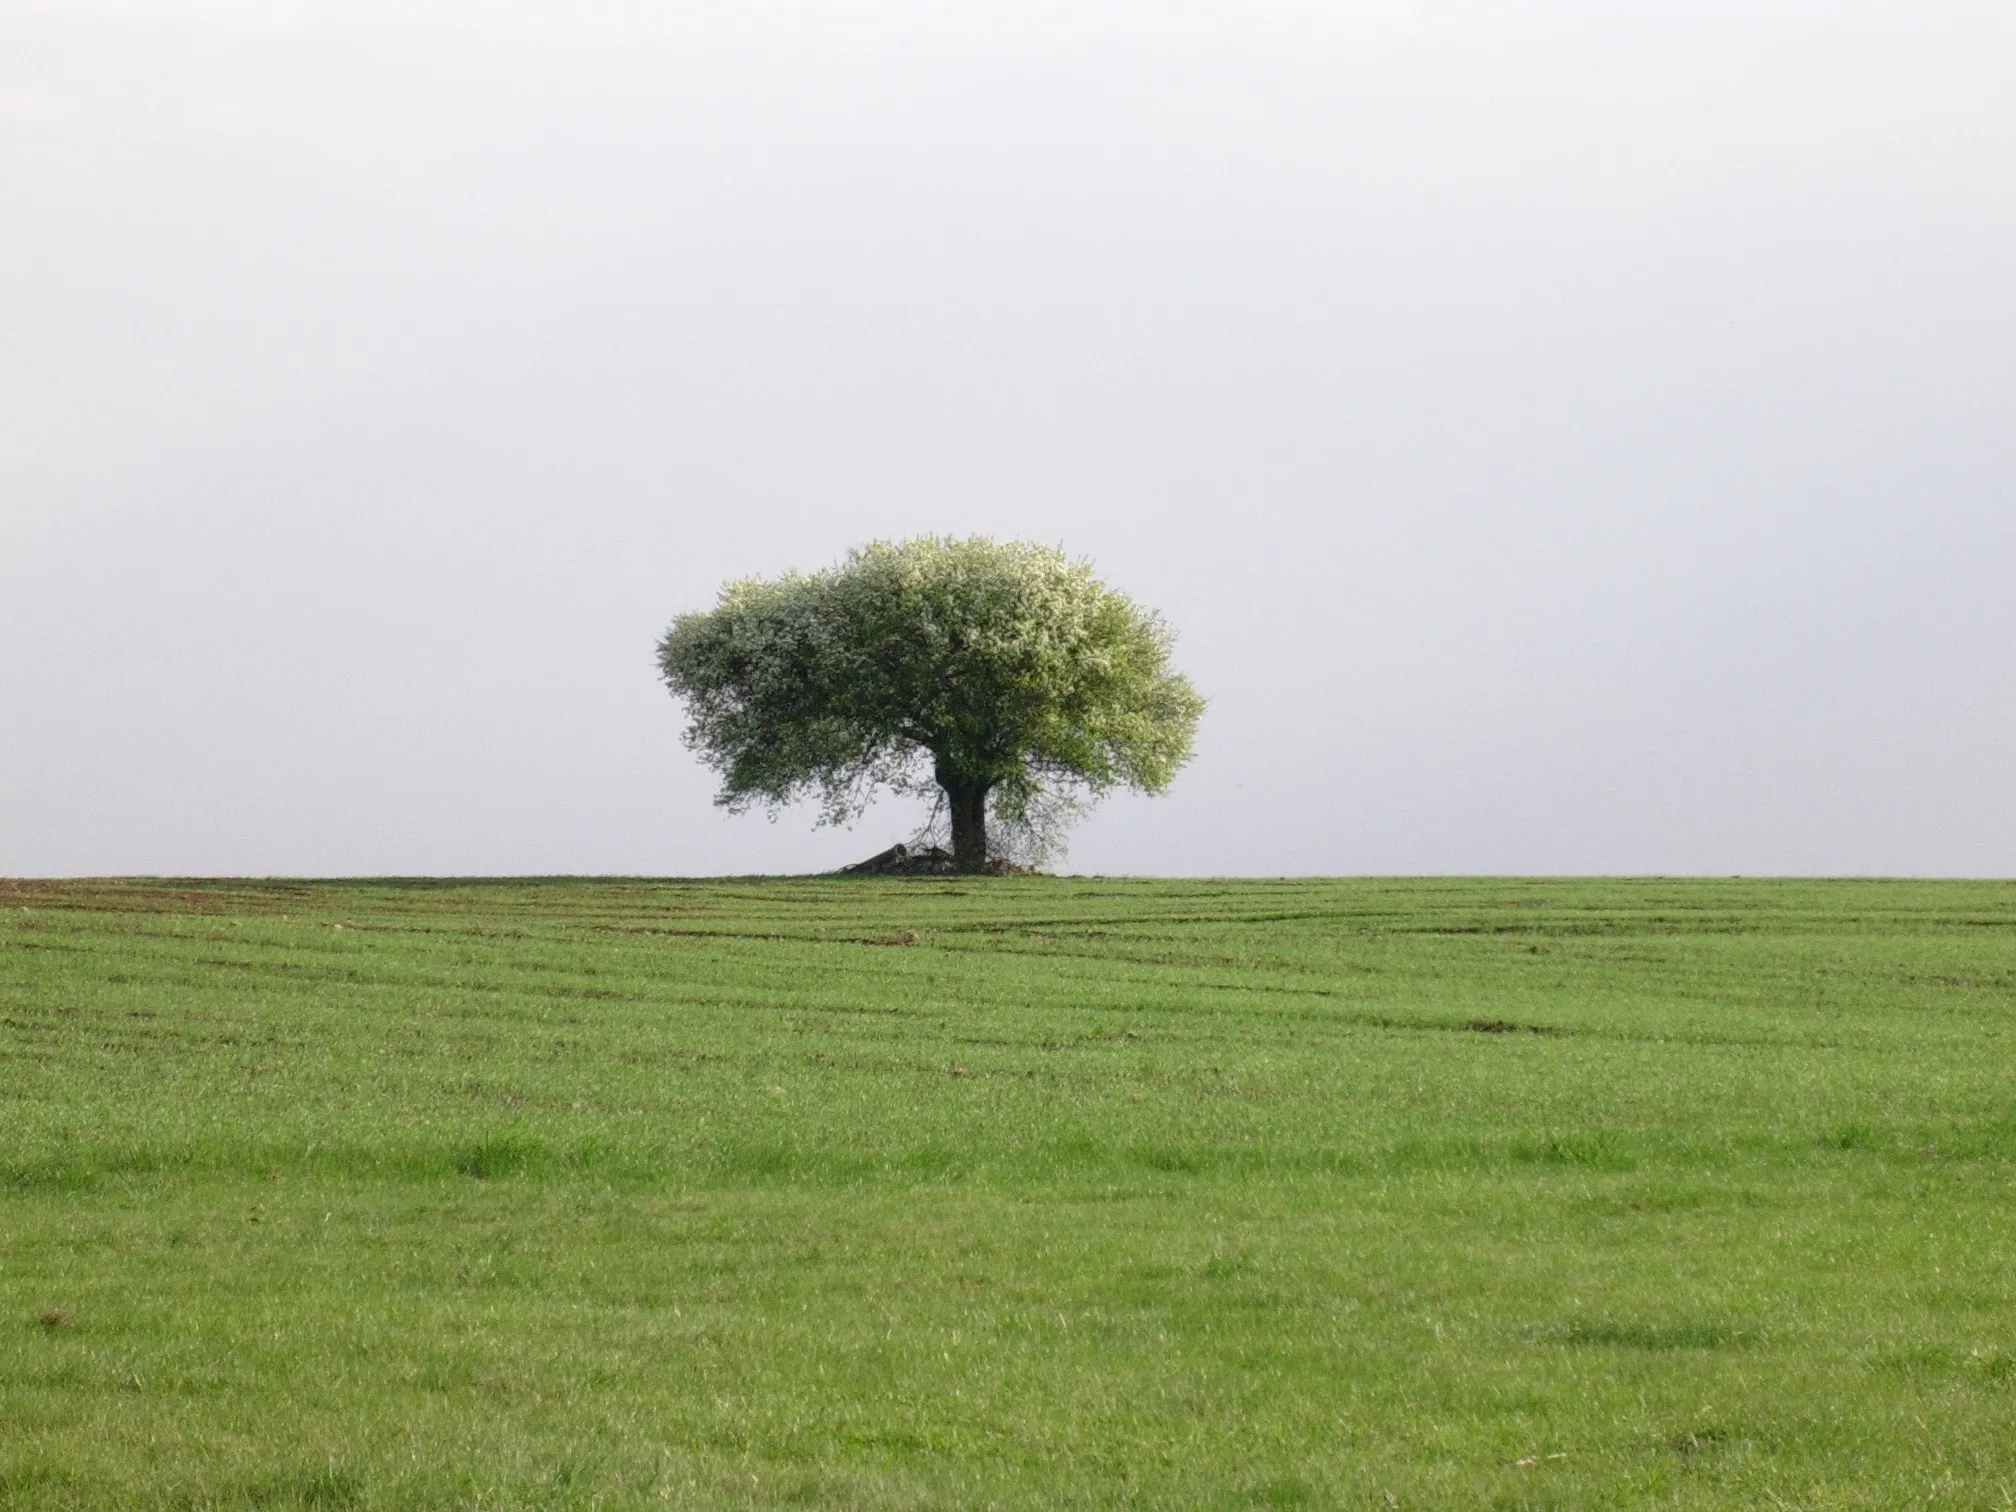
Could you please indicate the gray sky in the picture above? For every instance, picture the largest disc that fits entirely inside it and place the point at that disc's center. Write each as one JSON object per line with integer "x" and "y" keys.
{"x": 1567, "y": 437}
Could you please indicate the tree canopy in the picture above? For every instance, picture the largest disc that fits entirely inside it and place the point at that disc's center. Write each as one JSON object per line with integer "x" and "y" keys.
{"x": 1005, "y": 673}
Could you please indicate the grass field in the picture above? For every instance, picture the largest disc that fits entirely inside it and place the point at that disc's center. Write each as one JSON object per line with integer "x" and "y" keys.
{"x": 1018, "y": 1193}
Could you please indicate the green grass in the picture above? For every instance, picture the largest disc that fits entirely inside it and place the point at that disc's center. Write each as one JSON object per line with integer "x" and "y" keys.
{"x": 593, "y": 1194}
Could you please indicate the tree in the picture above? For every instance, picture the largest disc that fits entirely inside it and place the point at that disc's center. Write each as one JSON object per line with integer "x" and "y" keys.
{"x": 1004, "y": 673}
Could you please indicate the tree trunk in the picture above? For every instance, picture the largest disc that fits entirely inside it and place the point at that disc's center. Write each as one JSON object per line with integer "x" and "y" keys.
{"x": 968, "y": 802}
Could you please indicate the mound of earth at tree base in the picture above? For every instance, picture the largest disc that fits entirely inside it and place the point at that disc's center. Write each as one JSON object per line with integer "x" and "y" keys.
{"x": 901, "y": 860}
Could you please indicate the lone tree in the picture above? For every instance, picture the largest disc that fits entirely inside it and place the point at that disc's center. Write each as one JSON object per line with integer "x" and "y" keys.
{"x": 1004, "y": 673}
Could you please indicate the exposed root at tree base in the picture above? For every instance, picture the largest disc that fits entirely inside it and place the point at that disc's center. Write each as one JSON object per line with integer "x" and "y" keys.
{"x": 931, "y": 861}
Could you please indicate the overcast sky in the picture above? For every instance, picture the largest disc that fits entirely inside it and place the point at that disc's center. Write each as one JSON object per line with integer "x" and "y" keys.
{"x": 1567, "y": 438}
